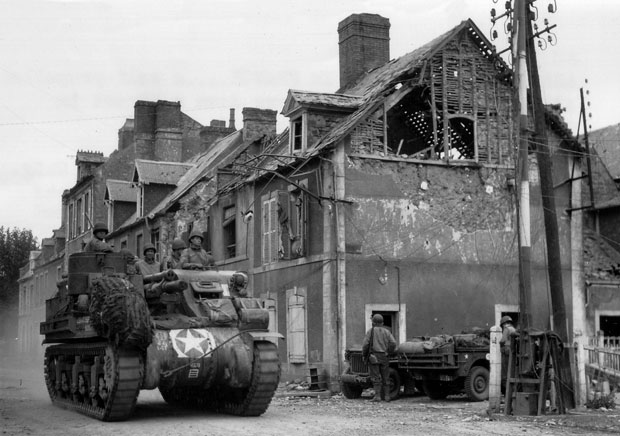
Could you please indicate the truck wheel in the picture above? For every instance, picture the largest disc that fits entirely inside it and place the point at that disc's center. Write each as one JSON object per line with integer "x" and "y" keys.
{"x": 435, "y": 390}
{"x": 350, "y": 390}
{"x": 477, "y": 384}
{"x": 393, "y": 384}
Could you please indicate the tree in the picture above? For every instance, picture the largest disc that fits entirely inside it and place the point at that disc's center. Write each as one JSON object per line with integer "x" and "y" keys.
{"x": 15, "y": 247}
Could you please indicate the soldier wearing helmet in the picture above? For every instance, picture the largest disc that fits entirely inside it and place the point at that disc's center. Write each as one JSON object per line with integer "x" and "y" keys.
{"x": 378, "y": 343}
{"x": 508, "y": 330}
{"x": 97, "y": 243}
{"x": 195, "y": 257}
{"x": 173, "y": 260}
{"x": 148, "y": 265}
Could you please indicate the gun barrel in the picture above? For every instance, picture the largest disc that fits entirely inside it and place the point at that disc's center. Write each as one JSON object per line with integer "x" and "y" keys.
{"x": 174, "y": 286}
{"x": 167, "y": 276}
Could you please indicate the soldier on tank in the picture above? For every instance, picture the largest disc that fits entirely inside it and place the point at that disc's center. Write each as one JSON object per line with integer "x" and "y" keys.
{"x": 97, "y": 243}
{"x": 148, "y": 265}
{"x": 173, "y": 261}
{"x": 131, "y": 261}
{"x": 195, "y": 257}
{"x": 378, "y": 343}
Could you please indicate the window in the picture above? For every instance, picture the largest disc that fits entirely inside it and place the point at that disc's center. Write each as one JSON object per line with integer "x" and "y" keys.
{"x": 87, "y": 219}
{"x": 298, "y": 141}
{"x": 140, "y": 200}
{"x": 71, "y": 222}
{"x": 110, "y": 205}
{"x": 269, "y": 230}
{"x": 139, "y": 244}
{"x": 284, "y": 224}
{"x": 79, "y": 217}
{"x": 296, "y": 325}
{"x": 155, "y": 238}
{"x": 229, "y": 231}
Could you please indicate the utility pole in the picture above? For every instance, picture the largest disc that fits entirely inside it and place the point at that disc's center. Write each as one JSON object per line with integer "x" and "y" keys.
{"x": 554, "y": 262}
{"x": 525, "y": 248}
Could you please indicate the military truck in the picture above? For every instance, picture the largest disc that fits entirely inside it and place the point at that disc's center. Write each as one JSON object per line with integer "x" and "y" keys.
{"x": 438, "y": 366}
{"x": 195, "y": 335}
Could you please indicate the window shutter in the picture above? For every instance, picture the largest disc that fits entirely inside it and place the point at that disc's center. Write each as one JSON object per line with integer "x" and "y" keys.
{"x": 296, "y": 338}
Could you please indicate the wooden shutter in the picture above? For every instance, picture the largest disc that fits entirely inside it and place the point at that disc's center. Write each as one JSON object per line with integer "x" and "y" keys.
{"x": 296, "y": 337}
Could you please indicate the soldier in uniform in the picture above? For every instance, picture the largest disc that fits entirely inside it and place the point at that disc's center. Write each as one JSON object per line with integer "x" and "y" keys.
{"x": 173, "y": 260}
{"x": 378, "y": 343}
{"x": 507, "y": 331}
{"x": 97, "y": 243}
{"x": 148, "y": 265}
{"x": 195, "y": 256}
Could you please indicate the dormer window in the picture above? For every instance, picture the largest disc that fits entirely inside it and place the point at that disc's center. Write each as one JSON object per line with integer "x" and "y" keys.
{"x": 298, "y": 138}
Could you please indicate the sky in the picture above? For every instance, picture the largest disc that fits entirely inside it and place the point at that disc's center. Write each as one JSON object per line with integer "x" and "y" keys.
{"x": 71, "y": 70}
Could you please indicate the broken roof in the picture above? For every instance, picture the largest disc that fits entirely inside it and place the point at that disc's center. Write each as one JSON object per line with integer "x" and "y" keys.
{"x": 606, "y": 142}
{"x": 601, "y": 260}
{"x": 121, "y": 190}
{"x": 164, "y": 173}
{"x": 297, "y": 99}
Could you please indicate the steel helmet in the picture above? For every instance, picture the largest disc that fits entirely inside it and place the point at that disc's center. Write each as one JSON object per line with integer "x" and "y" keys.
{"x": 196, "y": 233}
{"x": 377, "y": 319}
{"x": 100, "y": 227}
{"x": 504, "y": 320}
{"x": 178, "y": 244}
{"x": 148, "y": 247}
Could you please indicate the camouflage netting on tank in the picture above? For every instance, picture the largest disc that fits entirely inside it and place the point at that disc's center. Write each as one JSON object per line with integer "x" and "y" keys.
{"x": 119, "y": 313}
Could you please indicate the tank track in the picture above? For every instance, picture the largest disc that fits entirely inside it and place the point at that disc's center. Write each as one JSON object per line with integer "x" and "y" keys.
{"x": 251, "y": 401}
{"x": 99, "y": 380}
{"x": 254, "y": 400}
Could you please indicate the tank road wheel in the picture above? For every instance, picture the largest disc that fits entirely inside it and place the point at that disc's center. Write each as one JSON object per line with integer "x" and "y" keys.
{"x": 110, "y": 377}
{"x": 254, "y": 400}
{"x": 435, "y": 390}
{"x": 393, "y": 384}
{"x": 351, "y": 391}
{"x": 477, "y": 383}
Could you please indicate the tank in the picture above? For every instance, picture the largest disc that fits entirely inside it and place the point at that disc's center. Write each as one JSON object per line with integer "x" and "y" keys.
{"x": 193, "y": 334}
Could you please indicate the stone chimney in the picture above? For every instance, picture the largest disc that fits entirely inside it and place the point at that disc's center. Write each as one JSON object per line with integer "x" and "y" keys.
{"x": 168, "y": 131}
{"x": 364, "y": 41}
{"x": 258, "y": 123}
{"x": 231, "y": 121}
{"x": 215, "y": 131}
{"x": 125, "y": 135}
{"x": 144, "y": 128}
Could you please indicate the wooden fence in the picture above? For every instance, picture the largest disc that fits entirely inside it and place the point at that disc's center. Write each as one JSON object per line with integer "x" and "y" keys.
{"x": 602, "y": 364}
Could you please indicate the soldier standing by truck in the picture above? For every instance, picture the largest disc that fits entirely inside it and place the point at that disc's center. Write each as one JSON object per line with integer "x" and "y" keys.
{"x": 507, "y": 331}
{"x": 377, "y": 344}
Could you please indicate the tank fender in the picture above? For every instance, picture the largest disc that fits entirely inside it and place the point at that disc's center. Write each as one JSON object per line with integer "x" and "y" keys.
{"x": 265, "y": 336}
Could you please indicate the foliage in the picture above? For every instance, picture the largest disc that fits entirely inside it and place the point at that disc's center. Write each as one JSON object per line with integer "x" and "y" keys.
{"x": 606, "y": 401}
{"x": 15, "y": 247}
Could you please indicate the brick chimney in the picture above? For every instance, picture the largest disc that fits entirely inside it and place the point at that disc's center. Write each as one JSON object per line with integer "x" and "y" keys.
{"x": 215, "y": 131}
{"x": 125, "y": 135}
{"x": 168, "y": 131}
{"x": 258, "y": 123}
{"x": 364, "y": 41}
{"x": 144, "y": 129}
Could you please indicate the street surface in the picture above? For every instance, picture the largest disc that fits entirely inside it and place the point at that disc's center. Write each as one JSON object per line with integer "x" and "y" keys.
{"x": 25, "y": 409}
